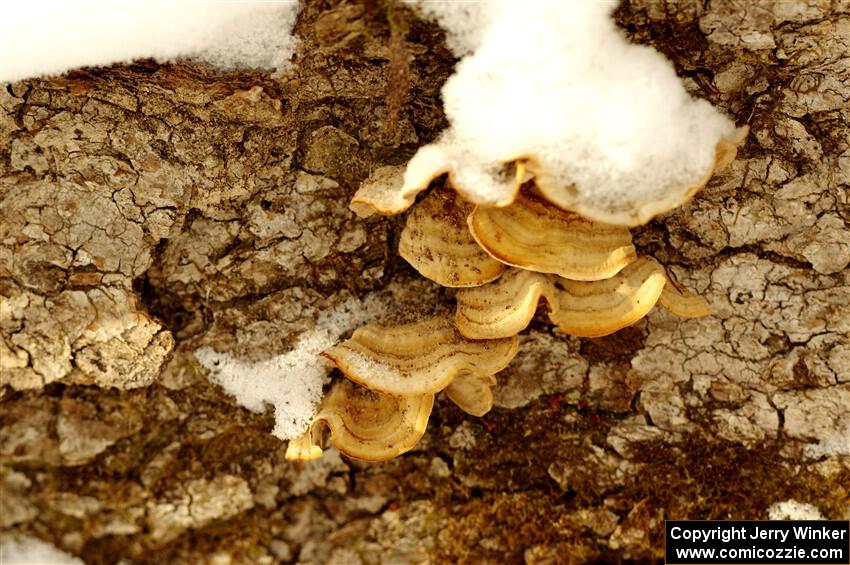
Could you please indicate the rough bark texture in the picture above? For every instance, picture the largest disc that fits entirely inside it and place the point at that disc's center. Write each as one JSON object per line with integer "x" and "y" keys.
{"x": 147, "y": 210}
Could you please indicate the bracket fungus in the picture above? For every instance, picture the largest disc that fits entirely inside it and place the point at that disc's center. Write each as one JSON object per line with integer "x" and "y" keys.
{"x": 504, "y": 308}
{"x": 417, "y": 358}
{"x": 544, "y": 178}
{"x": 589, "y": 274}
{"x": 364, "y": 424}
{"x": 533, "y": 234}
{"x": 503, "y": 260}
{"x": 599, "y": 308}
{"x": 378, "y": 194}
{"x": 437, "y": 243}
{"x": 579, "y": 308}
{"x": 393, "y": 374}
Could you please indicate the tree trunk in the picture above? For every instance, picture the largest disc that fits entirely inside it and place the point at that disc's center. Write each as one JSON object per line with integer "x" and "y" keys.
{"x": 147, "y": 210}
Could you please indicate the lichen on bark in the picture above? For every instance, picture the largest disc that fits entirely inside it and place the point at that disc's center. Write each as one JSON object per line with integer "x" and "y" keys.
{"x": 147, "y": 210}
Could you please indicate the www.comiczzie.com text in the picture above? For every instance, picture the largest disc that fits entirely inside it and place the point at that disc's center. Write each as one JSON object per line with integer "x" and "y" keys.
{"x": 809, "y": 541}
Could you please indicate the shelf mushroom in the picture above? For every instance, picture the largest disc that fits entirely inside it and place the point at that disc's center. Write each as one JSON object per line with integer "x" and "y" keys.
{"x": 364, "y": 424}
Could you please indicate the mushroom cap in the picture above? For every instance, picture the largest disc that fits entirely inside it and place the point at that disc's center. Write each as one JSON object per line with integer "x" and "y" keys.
{"x": 638, "y": 212}
{"x": 580, "y": 308}
{"x": 417, "y": 358}
{"x": 504, "y": 308}
{"x": 472, "y": 393}
{"x": 595, "y": 309}
{"x": 437, "y": 243}
{"x": 533, "y": 234}
{"x": 372, "y": 426}
{"x": 364, "y": 424}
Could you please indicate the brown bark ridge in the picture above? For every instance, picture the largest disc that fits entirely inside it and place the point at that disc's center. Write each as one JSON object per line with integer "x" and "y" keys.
{"x": 147, "y": 210}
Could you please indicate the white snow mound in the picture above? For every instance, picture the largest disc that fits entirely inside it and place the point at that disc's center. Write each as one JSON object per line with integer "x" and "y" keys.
{"x": 609, "y": 122}
{"x": 292, "y": 382}
{"x": 48, "y": 37}
{"x": 28, "y": 550}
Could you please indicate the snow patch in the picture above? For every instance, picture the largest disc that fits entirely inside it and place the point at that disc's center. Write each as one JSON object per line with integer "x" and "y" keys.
{"x": 27, "y": 550}
{"x": 48, "y": 37}
{"x": 793, "y": 510}
{"x": 292, "y": 382}
{"x": 464, "y": 22}
{"x": 609, "y": 121}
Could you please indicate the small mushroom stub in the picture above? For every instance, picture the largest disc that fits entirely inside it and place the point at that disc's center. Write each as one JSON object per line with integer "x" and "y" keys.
{"x": 392, "y": 190}
{"x": 437, "y": 243}
{"x": 418, "y": 358}
{"x": 536, "y": 235}
{"x": 681, "y": 302}
{"x": 364, "y": 424}
{"x": 306, "y": 447}
{"x": 472, "y": 393}
{"x": 381, "y": 194}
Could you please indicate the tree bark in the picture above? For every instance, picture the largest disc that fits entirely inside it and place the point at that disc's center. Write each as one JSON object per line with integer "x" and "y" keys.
{"x": 147, "y": 210}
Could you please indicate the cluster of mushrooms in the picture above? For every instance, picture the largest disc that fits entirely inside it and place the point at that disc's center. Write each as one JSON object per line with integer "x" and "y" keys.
{"x": 502, "y": 259}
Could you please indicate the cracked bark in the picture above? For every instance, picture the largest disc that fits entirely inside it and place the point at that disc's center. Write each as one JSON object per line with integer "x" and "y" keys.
{"x": 147, "y": 210}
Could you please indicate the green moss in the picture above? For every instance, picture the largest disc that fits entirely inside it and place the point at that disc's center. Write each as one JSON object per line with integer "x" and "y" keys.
{"x": 516, "y": 505}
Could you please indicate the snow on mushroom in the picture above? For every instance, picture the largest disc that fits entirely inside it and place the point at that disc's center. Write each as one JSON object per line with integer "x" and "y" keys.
{"x": 555, "y": 91}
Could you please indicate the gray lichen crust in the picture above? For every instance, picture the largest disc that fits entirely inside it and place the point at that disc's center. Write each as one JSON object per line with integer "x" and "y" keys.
{"x": 148, "y": 210}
